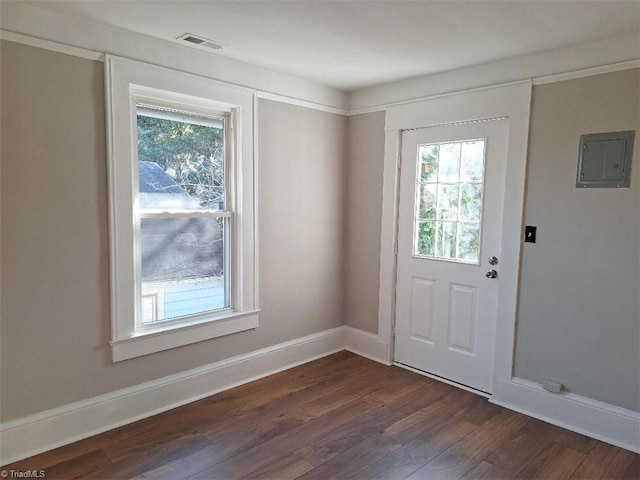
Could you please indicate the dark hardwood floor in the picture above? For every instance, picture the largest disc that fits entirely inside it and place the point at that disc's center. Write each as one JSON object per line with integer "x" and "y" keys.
{"x": 340, "y": 417}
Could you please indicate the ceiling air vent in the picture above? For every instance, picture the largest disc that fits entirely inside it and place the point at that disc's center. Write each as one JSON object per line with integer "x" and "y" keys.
{"x": 200, "y": 41}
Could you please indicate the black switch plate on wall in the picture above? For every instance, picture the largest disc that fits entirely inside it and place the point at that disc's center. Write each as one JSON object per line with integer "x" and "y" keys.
{"x": 530, "y": 234}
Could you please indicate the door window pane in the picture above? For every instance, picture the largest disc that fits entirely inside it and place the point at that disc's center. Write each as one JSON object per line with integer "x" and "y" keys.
{"x": 469, "y": 241}
{"x": 429, "y": 163}
{"x": 425, "y": 238}
{"x": 449, "y": 190}
{"x": 472, "y": 165}
{"x": 449, "y": 162}
{"x": 446, "y": 240}
{"x": 447, "y": 201}
{"x": 428, "y": 196}
{"x": 470, "y": 201}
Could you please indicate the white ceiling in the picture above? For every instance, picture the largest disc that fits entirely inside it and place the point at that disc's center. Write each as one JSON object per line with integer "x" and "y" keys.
{"x": 354, "y": 44}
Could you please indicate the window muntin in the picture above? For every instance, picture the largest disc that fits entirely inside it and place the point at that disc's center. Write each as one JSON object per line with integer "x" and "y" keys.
{"x": 448, "y": 204}
{"x": 181, "y": 217}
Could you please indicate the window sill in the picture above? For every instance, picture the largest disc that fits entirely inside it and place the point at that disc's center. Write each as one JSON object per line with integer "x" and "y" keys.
{"x": 146, "y": 343}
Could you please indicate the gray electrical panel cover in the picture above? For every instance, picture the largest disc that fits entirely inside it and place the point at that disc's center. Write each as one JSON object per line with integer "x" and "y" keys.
{"x": 604, "y": 160}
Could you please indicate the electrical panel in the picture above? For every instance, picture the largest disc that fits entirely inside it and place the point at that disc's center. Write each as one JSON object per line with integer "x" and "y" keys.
{"x": 604, "y": 160}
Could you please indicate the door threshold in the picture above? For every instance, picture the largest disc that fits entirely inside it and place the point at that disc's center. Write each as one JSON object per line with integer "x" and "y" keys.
{"x": 443, "y": 380}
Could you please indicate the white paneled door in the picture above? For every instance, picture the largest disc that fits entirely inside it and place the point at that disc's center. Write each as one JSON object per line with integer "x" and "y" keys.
{"x": 449, "y": 236}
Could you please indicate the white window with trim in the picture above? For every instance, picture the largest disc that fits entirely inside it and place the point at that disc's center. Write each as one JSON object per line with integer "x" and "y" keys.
{"x": 182, "y": 198}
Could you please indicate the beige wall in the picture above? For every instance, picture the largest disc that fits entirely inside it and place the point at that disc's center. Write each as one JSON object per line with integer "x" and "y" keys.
{"x": 301, "y": 212}
{"x": 54, "y": 252}
{"x": 579, "y": 318}
{"x": 364, "y": 202}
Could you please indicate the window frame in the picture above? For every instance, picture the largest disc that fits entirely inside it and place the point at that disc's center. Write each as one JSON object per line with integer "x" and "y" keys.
{"x": 129, "y": 83}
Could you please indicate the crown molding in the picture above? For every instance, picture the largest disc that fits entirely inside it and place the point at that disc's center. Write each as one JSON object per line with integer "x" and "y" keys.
{"x": 49, "y": 45}
{"x": 300, "y": 103}
{"x": 587, "y": 72}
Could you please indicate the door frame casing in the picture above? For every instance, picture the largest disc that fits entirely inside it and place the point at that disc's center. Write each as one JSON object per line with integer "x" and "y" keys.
{"x": 511, "y": 101}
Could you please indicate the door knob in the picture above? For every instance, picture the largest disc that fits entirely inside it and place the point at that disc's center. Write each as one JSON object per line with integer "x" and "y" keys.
{"x": 491, "y": 274}
{"x": 493, "y": 261}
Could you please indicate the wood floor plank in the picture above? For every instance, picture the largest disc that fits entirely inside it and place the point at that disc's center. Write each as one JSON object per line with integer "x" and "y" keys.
{"x": 140, "y": 444}
{"x": 328, "y": 442}
{"x": 486, "y": 471}
{"x": 633, "y": 472}
{"x": 368, "y": 380}
{"x": 252, "y": 459}
{"x": 478, "y": 411}
{"x": 605, "y": 462}
{"x": 341, "y": 439}
{"x": 567, "y": 438}
{"x": 351, "y": 461}
{"x": 390, "y": 392}
{"x": 463, "y": 455}
{"x": 272, "y": 387}
{"x": 78, "y": 466}
{"x": 411, "y": 456}
{"x": 527, "y": 442}
{"x": 308, "y": 389}
{"x": 220, "y": 428}
{"x": 443, "y": 403}
{"x": 134, "y": 465}
{"x": 554, "y": 462}
{"x": 258, "y": 434}
{"x": 187, "y": 465}
{"x": 326, "y": 403}
{"x": 250, "y": 436}
{"x": 325, "y": 383}
{"x": 284, "y": 467}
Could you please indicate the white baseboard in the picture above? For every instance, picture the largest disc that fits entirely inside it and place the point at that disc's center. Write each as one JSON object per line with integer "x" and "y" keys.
{"x": 53, "y": 428}
{"x": 366, "y": 345}
{"x": 599, "y": 420}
